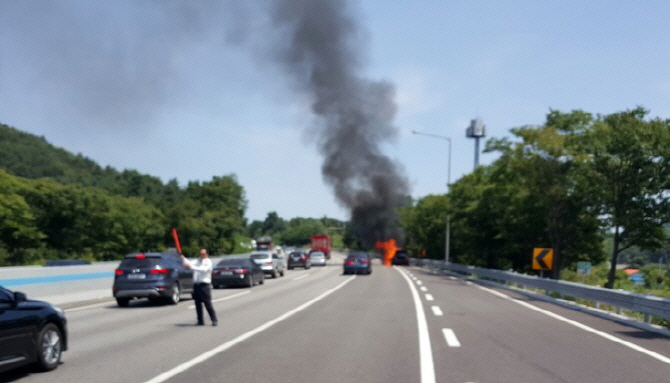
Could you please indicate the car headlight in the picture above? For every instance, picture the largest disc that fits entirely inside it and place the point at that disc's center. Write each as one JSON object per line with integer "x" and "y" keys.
{"x": 60, "y": 312}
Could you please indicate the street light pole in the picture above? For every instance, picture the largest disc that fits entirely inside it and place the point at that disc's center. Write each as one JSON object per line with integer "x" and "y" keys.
{"x": 447, "y": 246}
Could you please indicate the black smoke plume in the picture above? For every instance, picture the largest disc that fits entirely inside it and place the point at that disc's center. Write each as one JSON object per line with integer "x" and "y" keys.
{"x": 324, "y": 57}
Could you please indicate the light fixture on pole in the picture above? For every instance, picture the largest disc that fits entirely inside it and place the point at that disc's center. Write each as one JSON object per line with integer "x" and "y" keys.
{"x": 448, "y": 228}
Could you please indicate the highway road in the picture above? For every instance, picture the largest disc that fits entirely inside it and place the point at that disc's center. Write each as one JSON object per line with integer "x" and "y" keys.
{"x": 396, "y": 325}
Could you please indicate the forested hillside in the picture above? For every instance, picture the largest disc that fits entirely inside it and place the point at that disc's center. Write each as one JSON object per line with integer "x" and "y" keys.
{"x": 54, "y": 204}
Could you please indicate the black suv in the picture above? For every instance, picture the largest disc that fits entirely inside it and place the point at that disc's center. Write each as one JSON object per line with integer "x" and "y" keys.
{"x": 401, "y": 258}
{"x": 30, "y": 332}
{"x": 157, "y": 276}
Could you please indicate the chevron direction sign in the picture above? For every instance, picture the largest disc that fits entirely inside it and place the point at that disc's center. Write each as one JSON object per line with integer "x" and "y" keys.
{"x": 543, "y": 258}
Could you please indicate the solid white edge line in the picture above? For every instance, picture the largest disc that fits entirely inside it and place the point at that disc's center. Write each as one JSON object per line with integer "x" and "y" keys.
{"x": 437, "y": 311}
{"x": 225, "y": 298}
{"x": 429, "y": 297}
{"x": 225, "y": 346}
{"x": 582, "y": 326}
{"x": 81, "y": 308}
{"x": 425, "y": 350}
{"x": 450, "y": 337}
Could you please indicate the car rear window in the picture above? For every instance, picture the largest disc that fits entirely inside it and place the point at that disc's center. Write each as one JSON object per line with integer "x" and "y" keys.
{"x": 260, "y": 256}
{"x": 233, "y": 262}
{"x": 144, "y": 263}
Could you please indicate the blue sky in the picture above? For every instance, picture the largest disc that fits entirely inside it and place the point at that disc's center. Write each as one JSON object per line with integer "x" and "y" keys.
{"x": 169, "y": 90}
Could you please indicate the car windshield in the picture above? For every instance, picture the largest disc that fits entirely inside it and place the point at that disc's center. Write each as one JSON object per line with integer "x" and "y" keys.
{"x": 260, "y": 256}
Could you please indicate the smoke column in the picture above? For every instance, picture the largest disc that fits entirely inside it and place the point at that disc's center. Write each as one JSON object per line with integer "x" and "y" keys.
{"x": 323, "y": 57}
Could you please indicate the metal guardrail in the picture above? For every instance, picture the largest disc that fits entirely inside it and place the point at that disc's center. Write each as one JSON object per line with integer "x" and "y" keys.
{"x": 647, "y": 304}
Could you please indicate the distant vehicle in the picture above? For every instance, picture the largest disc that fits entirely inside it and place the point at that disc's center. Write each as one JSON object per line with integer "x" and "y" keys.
{"x": 358, "y": 263}
{"x": 318, "y": 258}
{"x": 66, "y": 262}
{"x": 30, "y": 332}
{"x": 401, "y": 258}
{"x": 322, "y": 242}
{"x": 265, "y": 244}
{"x": 237, "y": 271}
{"x": 299, "y": 259}
{"x": 157, "y": 276}
{"x": 270, "y": 262}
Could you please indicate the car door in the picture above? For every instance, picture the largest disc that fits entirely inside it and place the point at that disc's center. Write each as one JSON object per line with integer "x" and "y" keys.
{"x": 16, "y": 332}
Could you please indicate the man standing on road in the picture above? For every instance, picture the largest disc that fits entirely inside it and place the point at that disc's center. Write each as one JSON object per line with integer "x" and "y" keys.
{"x": 202, "y": 285}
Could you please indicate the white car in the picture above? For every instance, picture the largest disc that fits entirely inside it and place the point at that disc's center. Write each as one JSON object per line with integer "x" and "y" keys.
{"x": 270, "y": 262}
{"x": 318, "y": 258}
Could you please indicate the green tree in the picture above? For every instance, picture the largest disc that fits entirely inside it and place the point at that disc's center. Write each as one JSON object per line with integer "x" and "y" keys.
{"x": 628, "y": 173}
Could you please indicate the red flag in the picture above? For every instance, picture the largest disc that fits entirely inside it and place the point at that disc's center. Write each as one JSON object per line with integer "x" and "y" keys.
{"x": 176, "y": 240}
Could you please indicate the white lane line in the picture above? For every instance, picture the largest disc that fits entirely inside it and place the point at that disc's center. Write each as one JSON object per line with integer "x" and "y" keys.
{"x": 582, "y": 326}
{"x": 425, "y": 350}
{"x": 301, "y": 277}
{"x": 81, "y": 308}
{"x": 450, "y": 337}
{"x": 429, "y": 297}
{"x": 453, "y": 278}
{"x": 437, "y": 311}
{"x": 225, "y": 346}
{"x": 419, "y": 283}
{"x": 225, "y": 298}
{"x": 423, "y": 288}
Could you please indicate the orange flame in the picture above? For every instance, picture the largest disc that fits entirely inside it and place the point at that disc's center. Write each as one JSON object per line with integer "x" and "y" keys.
{"x": 388, "y": 249}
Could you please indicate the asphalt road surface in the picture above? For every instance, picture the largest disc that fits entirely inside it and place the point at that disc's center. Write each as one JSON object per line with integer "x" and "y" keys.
{"x": 396, "y": 325}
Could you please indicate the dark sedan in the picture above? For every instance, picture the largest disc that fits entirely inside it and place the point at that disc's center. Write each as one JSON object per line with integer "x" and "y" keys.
{"x": 236, "y": 272}
{"x": 30, "y": 332}
{"x": 358, "y": 263}
{"x": 299, "y": 259}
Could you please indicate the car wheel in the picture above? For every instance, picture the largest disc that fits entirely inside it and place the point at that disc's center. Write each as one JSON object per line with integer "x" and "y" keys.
{"x": 176, "y": 295}
{"x": 50, "y": 347}
{"x": 290, "y": 267}
{"x": 281, "y": 273}
{"x": 122, "y": 302}
{"x": 274, "y": 273}
{"x": 262, "y": 281}
{"x": 251, "y": 281}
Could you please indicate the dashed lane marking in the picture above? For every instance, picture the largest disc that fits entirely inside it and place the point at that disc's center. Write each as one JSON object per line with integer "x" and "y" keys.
{"x": 450, "y": 337}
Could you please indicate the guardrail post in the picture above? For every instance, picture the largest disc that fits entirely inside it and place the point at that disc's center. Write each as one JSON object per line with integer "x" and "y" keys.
{"x": 647, "y": 318}
{"x": 596, "y": 304}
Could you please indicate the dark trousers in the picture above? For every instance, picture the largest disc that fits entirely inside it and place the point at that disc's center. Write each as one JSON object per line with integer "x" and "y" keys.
{"x": 202, "y": 294}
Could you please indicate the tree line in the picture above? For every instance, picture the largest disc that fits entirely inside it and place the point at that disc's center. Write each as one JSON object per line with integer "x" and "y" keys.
{"x": 43, "y": 219}
{"x": 566, "y": 184}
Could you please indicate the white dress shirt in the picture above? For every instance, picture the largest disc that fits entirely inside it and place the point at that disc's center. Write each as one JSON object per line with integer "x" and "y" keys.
{"x": 202, "y": 270}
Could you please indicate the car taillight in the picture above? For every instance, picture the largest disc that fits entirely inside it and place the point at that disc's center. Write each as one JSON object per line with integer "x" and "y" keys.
{"x": 303, "y": 257}
{"x": 240, "y": 271}
{"x": 365, "y": 261}
{"x": 118, "y": 272}
{"x": 140, "y": 256}
{"x": 349, "y": 262}
{"x": 160, "y": 271}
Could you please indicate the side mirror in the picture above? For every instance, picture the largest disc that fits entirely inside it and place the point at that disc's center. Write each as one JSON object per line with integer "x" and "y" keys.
{"x": 19, "y": 297}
